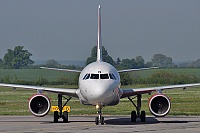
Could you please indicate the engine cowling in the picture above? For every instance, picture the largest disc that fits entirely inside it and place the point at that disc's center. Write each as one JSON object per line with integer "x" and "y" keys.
{"x": 159, "y": 105}
{"x": 39, "y": 105}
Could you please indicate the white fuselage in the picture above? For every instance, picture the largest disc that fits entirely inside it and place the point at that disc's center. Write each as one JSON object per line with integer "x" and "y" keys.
{"x": 99, "y": 84}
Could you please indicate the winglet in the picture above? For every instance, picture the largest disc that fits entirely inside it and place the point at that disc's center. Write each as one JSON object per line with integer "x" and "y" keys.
{"x": 99, "y": 43}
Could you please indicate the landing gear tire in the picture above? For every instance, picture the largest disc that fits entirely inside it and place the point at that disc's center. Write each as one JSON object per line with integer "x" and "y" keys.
{"x": 56, "y": 117}
{"x": 65, "y": 116}
{"x": 102, "y": 121}
{"x": 133, "y": 116}
{"x": 137, "y": 114}
{"x": 143, "y": 116}
{"x": 97, "y": 120}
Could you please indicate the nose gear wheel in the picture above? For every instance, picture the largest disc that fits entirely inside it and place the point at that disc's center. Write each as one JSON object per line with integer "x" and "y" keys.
{"x": 100, "y": 118}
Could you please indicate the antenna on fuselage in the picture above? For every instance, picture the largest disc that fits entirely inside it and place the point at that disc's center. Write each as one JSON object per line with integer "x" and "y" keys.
{"x": 99, "y": 42}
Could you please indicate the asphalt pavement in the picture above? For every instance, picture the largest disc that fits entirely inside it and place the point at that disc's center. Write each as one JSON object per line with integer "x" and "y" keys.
{"x": 86, "y": 124}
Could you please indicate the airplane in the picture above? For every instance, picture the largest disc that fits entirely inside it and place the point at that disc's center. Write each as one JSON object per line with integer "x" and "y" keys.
{"x": 99, "y": 86}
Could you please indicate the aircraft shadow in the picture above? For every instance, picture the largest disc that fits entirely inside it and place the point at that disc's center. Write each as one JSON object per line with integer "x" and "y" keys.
{"x": 149, "y": 120}
{"x": 127, "y": 121}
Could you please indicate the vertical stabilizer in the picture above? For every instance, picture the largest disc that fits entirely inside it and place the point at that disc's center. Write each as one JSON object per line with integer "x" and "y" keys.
{"x": 99, "y": 45}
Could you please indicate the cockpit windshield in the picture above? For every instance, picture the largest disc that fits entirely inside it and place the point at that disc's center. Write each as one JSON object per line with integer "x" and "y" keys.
{"x": 99, "y": 76}
{"x": 104, "y": 76}
{"x": 94, "y": 76}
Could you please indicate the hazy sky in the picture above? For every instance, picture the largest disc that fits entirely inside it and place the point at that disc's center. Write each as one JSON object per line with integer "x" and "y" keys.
{"x": 67, "y": 29}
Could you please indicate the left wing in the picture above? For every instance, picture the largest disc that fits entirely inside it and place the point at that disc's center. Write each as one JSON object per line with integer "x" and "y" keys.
{"x": 132, "y": 92}
{"x": 67, "y": 70}
{"x": 64, "y": 91}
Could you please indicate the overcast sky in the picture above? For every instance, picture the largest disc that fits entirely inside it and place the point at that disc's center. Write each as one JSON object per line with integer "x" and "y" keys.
{"x": 67, "y": 29}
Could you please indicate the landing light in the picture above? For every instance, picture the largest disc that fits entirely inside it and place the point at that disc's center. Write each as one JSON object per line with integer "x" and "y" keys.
{"x": 97, "y": 106}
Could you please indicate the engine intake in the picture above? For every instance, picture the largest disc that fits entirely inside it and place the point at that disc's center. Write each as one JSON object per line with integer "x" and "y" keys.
{"x": 39, "y": 105}
{"x": 159, "y": 105}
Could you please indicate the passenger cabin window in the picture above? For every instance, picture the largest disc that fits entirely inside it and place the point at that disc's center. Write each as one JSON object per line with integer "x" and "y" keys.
{"x": 94, "y": 76}
{"x": 104, "y": 76}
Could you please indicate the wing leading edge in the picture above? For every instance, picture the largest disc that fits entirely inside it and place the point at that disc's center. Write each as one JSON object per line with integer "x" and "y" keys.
{"x": 64, "y": 91}
{"x": 139, "y": 69}
{"x": 57, "y": 69}
{"x": 137, "y": 91}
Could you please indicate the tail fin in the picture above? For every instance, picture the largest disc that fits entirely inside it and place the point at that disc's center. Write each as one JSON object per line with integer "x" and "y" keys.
{"x": 99, "y": 43}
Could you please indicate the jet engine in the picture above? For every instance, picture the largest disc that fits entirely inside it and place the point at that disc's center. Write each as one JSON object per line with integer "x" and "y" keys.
{"x": 159, "y": 105}
{"x": 39, "y": 105}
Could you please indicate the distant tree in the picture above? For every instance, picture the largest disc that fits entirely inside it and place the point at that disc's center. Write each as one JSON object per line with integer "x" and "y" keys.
{"x": 161, "y": 60}
{"x": 1, "y": 63}
{"x": 128, "y": 64}
{"x": 118, "y": 64}
{"x": 17, "y": 58}
{"x": 197, "y": 63}
{"x": 193, "y": 64}
{"x": 106, "y": 57}
{"x": 118, "y": 61}
{"x": 52, "y": 63}
{"x": 149, "y": 64}
{"x": 139, "y": 62}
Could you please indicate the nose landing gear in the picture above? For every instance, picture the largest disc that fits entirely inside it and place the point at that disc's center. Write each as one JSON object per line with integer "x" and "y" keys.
{"x": 100, "y": 118}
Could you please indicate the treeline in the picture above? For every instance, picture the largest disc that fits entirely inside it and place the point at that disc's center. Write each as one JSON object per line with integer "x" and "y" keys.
{"x": 163, "y": 77}
{"x": 18, "y": 58}
{"x": 158, "y": 60}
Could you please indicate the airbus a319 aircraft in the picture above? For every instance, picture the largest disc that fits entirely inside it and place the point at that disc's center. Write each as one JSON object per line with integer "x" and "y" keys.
{"x": 99, "y": 85}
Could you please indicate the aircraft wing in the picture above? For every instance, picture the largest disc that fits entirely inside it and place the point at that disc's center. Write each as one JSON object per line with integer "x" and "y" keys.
{"x": 137, "y": 91}
{"x": 139, "y": 69}
{"x": 64, "y": 91}
{"x": 67, "y": 70}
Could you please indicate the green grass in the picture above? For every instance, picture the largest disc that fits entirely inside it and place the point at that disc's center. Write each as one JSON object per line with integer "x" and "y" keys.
{"x": 147, "y": 73}
{"x": 34, "y": 74}
{"x": 183, "y": 103}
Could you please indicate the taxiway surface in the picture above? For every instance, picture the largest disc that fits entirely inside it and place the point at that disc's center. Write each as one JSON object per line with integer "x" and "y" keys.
{"x": 85, "y": 124}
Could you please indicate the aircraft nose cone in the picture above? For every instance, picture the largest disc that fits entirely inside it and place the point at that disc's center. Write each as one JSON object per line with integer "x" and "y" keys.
{"x": 99, "y": 94}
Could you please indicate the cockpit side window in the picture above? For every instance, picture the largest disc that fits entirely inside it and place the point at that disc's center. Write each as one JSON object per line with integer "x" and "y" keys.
{"x": 112, "y": 76}
{"x": 104, "y": 76}
{"x": 86, "y": 76}
{"x": 94, "y": 76}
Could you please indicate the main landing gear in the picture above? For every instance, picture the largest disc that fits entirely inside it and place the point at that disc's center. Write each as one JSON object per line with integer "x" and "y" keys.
{"x": 63, "y": 115}
{"x": 137, "y": 114}
{"x": 100, "y": 118}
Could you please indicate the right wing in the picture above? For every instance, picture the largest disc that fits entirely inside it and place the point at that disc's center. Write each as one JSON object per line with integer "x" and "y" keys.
{"x": 68, "y": 92}
{"x": 67, "y": 70}
{"x": 159, "y": 89}
{"x": 139, "y": 69}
